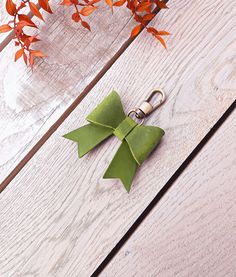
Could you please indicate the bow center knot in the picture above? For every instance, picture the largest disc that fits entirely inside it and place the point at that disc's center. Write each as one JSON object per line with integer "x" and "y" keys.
{"x": 124, "y": 128}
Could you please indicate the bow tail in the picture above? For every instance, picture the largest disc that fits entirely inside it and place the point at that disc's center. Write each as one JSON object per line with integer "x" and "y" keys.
{"x": 123, "y": 166}
{"x": 88, "y": 137}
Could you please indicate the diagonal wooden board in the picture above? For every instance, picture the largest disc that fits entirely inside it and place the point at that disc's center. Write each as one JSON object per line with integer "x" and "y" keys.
{"x": 31, "y": 102}
{"x": 192, "y": 230}
{"x": 58, "y": 217}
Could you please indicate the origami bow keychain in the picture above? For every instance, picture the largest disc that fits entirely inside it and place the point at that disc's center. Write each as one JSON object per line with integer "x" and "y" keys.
{"x": 138, "y": 141}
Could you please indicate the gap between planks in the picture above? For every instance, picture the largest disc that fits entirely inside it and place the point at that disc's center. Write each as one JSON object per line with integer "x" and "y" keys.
{"x": 70, "y": 109}
{"x": 164, "y": 190}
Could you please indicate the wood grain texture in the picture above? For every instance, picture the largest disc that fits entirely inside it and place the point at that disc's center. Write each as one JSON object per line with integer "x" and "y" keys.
{"x": 192, "y": 230}
{"x": 58, "y": 217}
{"x": 4, "y": 16}
{"x": 31, "y": 102}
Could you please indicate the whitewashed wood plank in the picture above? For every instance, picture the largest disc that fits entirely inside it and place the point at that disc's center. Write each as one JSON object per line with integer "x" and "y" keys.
{"x": 31, "y": 102}
{"x": 58, "y": 217}
{"x": 4, "y": 18}
{"x": 192, "y": 230}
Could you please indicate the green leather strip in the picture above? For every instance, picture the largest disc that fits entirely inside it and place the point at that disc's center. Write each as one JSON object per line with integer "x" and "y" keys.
{"x": 88, "y": 137}
{"x": 142, "y": 141}
{"x": 109, "y": 113}
{"x": 124, "y": 128}
{"x": 123, "y": 166}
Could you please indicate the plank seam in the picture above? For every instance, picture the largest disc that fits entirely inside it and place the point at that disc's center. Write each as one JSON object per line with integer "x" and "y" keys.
{"x": 70, "y": 109}
{"x": 163, "y": 190}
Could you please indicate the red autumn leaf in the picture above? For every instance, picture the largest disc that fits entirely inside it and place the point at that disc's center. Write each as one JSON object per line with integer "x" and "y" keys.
{"x": 45, "y": 5}
{"x": 143, "y": 7}
{"x": 92, "y": 2}
{"x": 5, "y": 28}
{"x": 37, "y": 53}
{"x": 161, "y": 4}
{"x": 136, "y": 30}
{"x": 85, "y": 25}
{"x": 75, "y": 2}
{"x": 161, "y": 41}
{"x": 33, "y": 39}
{"x": 148, "y": 16}
{"x": 18, "y": 54}
{"x": 119, "y": 3}
{"x": 31, "y": 60}
{"x": 18, "y": 30}
{"x": 25, "y": 58}
{"x": 76, "y": 17}
{"x": 30, "y": 38}
{"x": 109, "y": 3}
{"x": 66, "y": 3}
{"x": 131, "y": 6}
{"x": 152, "y": 30}
{"x": 27, "y": 43}
{"x": 87, "y": 10}
{"x": 25, "y": 20}
{"x": 22, "y": 5}
{"x": 163, "y": 33}
{"x": 19, "y": 26}
{"x": 11, "y": 7}
{"x": 149, "y": 10}
{"x": 35, "y": 11}
{"x": 138, "y": 18}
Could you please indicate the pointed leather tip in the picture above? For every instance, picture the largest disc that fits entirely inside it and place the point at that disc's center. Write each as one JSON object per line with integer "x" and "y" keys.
{"x": 115, "y": 92}
{"x": 81, "y": 153}
{"x": 68, "y": 136}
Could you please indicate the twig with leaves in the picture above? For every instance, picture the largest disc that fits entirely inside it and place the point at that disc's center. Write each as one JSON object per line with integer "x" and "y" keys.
{"x": 142, "y": 11}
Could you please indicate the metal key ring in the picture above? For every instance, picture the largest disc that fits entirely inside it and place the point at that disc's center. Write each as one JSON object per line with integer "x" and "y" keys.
{"x": 136, "y": 115}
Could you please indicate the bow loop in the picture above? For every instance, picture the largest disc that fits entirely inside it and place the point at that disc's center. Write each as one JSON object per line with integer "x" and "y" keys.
{"x": 109, "y": 113}
{"x": 135, "y": 148}
{"x": 142, "y": 141}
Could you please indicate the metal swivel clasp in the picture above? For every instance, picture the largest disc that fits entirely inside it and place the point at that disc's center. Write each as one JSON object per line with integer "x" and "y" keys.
{"x": 147, "y": 107}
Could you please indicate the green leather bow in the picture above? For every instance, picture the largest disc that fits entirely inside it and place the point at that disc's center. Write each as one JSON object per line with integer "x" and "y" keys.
{"x": 108, "y": 119}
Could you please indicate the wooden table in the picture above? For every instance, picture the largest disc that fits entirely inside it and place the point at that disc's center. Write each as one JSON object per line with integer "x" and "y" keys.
{"x": 58, "y": 217}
